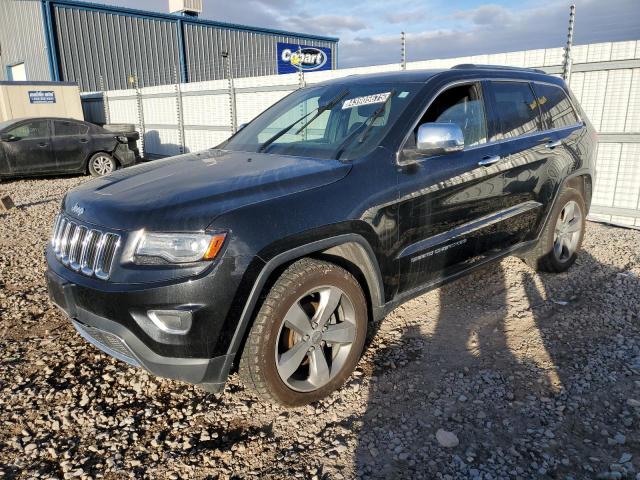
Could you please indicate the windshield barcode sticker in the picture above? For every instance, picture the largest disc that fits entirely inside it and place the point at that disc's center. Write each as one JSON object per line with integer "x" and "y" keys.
{"x": 367, "y": 100}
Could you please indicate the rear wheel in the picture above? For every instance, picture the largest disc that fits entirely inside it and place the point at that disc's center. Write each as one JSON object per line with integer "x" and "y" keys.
{"x": 102, "y": 164}
{"x": 308, "y": 335}
{"x": 562, "y": 237}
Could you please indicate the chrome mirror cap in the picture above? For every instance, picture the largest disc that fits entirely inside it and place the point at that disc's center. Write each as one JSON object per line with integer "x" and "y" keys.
{"x": 439, "y": 138}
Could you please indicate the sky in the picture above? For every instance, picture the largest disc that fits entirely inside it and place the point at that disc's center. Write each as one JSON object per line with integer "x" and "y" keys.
{"x": 369, "y": 30}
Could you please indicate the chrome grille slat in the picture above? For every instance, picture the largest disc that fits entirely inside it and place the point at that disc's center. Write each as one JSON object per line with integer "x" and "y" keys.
{"x": 78, "y": 245}
{"x": 89, "y": 251}
{"x": 66, "y": 242}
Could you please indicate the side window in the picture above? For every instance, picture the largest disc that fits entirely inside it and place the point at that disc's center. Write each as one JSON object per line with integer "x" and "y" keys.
{"x": 517, "y": 109}
{"x": 555, "y": 105}
{"x": 69, "y": 128}
{"x": 462, "y": 105}
{"x": 35, "y": 129}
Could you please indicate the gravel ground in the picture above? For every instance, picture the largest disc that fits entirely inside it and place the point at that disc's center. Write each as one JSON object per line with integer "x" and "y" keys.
{"x": 503, "y": 374}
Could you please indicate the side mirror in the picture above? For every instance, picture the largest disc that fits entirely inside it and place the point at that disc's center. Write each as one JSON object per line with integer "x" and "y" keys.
{"x": 6, "y": 137}
{"x": 439, "y": 138}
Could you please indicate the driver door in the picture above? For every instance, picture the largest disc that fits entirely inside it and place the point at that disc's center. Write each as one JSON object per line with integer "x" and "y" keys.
{"x": 28, "y": 148}
{"x": 453, "y": 206}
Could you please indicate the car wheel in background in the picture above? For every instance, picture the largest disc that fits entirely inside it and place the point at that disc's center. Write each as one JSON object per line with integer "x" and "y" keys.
{"x": 102, "y": 164}
{"x": 308, "y": 335}
{"x": 562, "y": 236}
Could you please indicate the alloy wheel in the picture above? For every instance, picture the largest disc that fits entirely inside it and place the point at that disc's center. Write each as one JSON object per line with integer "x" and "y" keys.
{"x": 315, "y": 338}
{"x": 103, "y": 165}
{"x": 567, "y": 232}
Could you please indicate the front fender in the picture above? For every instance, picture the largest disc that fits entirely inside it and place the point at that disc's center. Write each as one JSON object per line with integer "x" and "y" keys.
{"x": 351, "y": 246}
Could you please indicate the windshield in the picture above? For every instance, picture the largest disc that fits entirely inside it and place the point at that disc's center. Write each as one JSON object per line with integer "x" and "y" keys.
{"x": 329, "y": 121}
{"x": 6, "y": 124}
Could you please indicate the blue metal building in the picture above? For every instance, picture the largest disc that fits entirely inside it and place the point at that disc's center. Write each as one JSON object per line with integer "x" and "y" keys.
{"x": 106, "y": 47}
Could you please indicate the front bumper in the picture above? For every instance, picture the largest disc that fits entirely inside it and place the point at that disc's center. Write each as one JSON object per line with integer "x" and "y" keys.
{"x": 122, "y": 343}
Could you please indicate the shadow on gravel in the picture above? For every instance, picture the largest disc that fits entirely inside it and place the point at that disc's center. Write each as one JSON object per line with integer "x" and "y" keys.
{"x": 493, "y": 360}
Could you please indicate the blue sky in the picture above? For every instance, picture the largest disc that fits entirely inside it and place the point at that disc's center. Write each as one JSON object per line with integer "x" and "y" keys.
{"x": 369, "y": 30}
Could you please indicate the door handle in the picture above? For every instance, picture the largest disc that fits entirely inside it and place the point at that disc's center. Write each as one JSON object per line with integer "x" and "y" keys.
{"x": 83, "y": 140}
{"x": 552, "y": 144}
{"x": 489, "y": 160}
{"x": 43, "y": 145}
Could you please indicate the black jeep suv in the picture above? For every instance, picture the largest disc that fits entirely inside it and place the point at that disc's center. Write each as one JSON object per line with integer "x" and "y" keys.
{"x": 274, "y": 252}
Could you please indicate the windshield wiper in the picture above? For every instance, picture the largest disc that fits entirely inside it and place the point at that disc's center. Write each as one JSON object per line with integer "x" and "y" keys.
{"x": 318, "y": 111}
{"x": 323, "y": 109}
{"x": 369, "y": 121}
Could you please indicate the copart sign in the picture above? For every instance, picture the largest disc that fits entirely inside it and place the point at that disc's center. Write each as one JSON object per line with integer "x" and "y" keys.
{"x": 293, "y": 58}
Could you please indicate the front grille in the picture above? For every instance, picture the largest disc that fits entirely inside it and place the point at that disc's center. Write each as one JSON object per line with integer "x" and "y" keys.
{"x": 110, "y": 341}
{"x": 107, "y": 342}
{"x": 83, "y": 249}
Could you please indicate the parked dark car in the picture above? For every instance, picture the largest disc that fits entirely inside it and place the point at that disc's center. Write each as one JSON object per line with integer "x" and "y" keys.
{"x": 275, "y": 252}
{"x": 54, "y": 146}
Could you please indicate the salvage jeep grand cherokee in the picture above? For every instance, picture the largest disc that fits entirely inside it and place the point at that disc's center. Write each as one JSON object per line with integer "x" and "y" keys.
{"x": 273, "y": 253}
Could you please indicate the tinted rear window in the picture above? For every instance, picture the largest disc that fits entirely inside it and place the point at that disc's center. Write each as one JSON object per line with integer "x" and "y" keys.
{"x": 555, "y": 105}
{"x": 517, "y": 109}
{"x": 70, "y": 128}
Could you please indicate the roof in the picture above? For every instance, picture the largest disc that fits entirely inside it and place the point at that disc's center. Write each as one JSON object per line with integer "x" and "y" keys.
{"x": 37, "y": 83}
{"x": 459, "y": 71}
{"x": 185, "y": 19}
{"x": 408, "y": 76}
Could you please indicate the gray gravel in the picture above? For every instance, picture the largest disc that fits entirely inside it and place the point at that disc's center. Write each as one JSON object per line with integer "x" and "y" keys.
{"x": 504, "y": 374}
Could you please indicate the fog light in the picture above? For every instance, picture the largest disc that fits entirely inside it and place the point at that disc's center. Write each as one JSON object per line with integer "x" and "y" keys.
{"x": 177, "y": 322}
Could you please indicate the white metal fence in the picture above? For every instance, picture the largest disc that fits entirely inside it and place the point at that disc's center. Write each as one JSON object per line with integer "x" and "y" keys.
{"x": 605, "y": 78}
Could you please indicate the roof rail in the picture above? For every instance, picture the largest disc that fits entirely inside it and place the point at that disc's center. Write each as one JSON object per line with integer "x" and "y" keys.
{"x": 464, "y": 66}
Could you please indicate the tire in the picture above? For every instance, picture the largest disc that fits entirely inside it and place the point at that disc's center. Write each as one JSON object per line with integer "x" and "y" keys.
{"x": 284, "y": 330}
{"x": 101, "y": 164}
{"x": 562, "y": 224}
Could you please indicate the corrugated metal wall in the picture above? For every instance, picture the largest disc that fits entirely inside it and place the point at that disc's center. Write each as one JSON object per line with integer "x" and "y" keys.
{"x": 252, "y": 53}
{"x": 94, "y": 44}
{"x": 22, "y": 38}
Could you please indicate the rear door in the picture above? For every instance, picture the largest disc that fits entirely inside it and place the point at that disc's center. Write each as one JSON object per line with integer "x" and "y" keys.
{"x": 28, "y": 149}
{"x": 71, "y": 144}
{"x": 529, "y": 149}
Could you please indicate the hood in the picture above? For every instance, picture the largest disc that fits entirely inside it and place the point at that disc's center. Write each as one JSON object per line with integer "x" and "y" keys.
{"x": 187, "y": 192}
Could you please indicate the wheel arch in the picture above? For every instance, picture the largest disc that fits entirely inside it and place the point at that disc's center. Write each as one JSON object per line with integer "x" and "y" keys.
{"x": 349, "y": 251}
{"x": 584, "y": 184}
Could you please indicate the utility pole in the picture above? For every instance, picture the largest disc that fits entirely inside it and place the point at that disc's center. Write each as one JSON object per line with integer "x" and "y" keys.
{"x": 105, "y": 102}
{"x": 300, "y": 71}
{"x": 566, "y": 65}
{"x": 232, "y": 92}
{"x": 180, "y": 115}
{"x": 403, "y": 51}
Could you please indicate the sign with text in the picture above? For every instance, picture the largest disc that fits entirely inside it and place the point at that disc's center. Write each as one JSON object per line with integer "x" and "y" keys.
{"x": 42, "y": 96}
{"x": 293, "y": 57}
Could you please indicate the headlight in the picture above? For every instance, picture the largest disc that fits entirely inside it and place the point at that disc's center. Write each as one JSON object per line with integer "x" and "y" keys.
{"x": 178, "y": 247}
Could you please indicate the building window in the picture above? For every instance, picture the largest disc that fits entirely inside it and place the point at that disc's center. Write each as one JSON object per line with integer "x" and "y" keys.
{"x": 17, "y": 72}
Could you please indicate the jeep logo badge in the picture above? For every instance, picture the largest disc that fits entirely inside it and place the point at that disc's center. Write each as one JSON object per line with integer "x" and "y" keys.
{"x": 77, "y": 209}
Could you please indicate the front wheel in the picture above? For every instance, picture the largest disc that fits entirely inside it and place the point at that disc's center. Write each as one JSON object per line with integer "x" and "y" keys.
{"x": 561, "y": 238}
{"x": 308, "y": 335}
{"x": 102, "y": 164}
